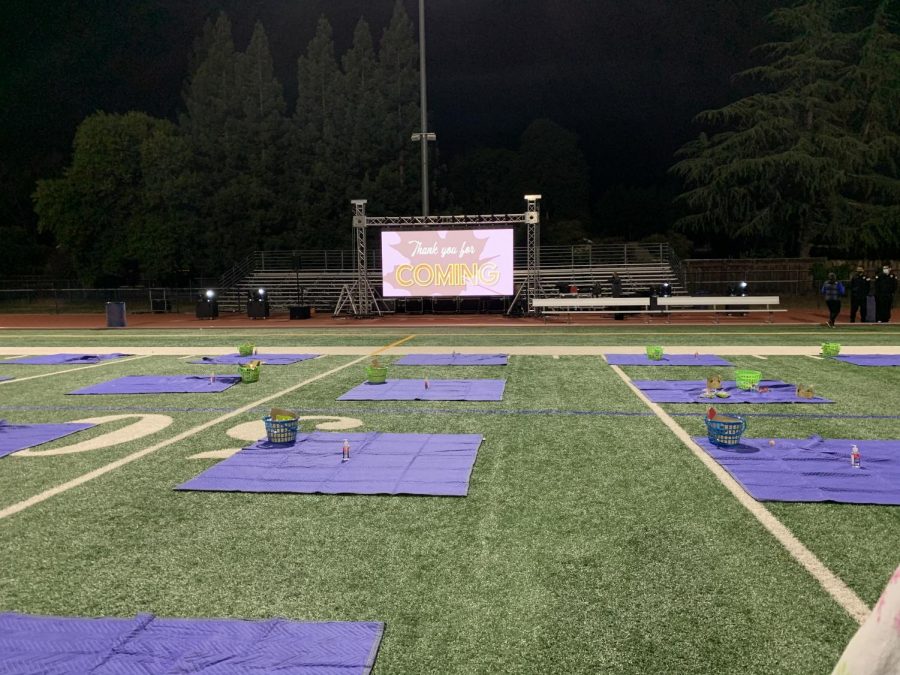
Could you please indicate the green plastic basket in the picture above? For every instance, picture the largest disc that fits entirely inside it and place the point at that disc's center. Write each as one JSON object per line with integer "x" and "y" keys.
{"x": 376, "y": 375}
{"x": 654, "y": 353}
{"x": 248, "y": 375}
{"x": 830, "y": 349}
{"x": 747, "y": 379}
{"x": 281, "y": 431}
{"x": 725, "y": 431}
{"x": 246, "y": 349}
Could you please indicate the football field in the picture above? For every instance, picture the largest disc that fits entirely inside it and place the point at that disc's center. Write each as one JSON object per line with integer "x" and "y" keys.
{"x": 595, "y": 536}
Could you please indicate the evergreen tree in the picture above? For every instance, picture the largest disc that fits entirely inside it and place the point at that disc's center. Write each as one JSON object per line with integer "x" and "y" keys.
{"x": 320, "y": 188}
{"x": 210, "y": 97}
{"x": 779, "y": 166}
{"x": 236, "y": 127}
{"x": 872, "y": 88}
{"x": 263, "y": 131}
{"x": 363, "y": 106}
{"x": 397, "y": 184}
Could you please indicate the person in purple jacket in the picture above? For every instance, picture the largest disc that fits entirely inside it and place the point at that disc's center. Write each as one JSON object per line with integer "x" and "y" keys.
{"x": 833, "y": 290}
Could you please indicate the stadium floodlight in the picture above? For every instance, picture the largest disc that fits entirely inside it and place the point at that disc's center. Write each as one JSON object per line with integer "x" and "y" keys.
{"x": 210, "y": 294}
{"x": 261, "y": 292}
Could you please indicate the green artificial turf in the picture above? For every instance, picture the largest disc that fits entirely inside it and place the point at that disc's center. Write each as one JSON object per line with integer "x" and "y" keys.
{"x": 516, "y": 333}
{"x": 591, "y": 540}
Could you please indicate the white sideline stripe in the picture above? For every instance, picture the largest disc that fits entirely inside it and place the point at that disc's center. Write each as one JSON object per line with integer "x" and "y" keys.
{"x": 833, "y": 585}
{"x": 513, "y": 350}
{"x": 813, "y": 356}
{"x": 757, "y": 356}
{"x": 96, "y": 473}
{"x": 60, "y": 372}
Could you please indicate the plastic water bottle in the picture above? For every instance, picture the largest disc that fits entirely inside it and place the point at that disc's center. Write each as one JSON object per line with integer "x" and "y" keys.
{"x": 345, "y": 451}
{"x": 854, "y": 457}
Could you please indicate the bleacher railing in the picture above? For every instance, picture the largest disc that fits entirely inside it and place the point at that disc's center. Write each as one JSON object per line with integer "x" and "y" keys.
{"x": 340, "y": 260}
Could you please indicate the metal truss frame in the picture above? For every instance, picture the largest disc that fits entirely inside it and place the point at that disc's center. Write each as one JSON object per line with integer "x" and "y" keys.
{"x": 360, "y": 299}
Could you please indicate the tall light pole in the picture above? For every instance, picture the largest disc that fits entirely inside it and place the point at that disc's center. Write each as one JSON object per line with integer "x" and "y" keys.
{"x": 423, "y": 136}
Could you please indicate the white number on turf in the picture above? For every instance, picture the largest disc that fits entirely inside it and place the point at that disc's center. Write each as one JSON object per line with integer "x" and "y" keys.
{"x": 253, "y": 431}
{"x": 146, "y": 425}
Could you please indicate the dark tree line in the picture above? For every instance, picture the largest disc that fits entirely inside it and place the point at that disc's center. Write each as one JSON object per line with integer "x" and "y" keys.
{"x": 810, "y": 159}
{"x": 145, "y": 198}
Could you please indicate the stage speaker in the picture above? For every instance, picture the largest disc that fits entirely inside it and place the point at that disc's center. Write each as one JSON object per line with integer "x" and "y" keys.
{"x": 258, "y": 309}
{"x": 300, "y": 312}
{"x": 207, "y": 309}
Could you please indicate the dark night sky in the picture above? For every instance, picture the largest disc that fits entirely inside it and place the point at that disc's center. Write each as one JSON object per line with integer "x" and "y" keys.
{"x": 626, "y": 75}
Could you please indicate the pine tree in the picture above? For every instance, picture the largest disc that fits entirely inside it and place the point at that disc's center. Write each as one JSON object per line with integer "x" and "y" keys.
{"x": 263, "y": 133}
{"x": 778, "y": 167}
{"x": 396, "y": 185}
{"x": 364, "y": 106}
{"x": 872, "y": 89}
{"x": 238, "y": 134}
{"x": 320, "y": 190}
{"x": 210, "y": 97}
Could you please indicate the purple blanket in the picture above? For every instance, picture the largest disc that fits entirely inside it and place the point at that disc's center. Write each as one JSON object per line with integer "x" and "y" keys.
{"x": 691, "y": 391}
{"x": 813, "y": 469}
{"x": 267, "y": 359}
{"x": 380, "y": 463}
{"x": 437, "y": 390}
{"x": 666, "y": 360}
{"x": 453, "y": 360}
{"x": 15, "y": 437}
{"x": 162, "y": 384}
{"x": 149, "y": 645}
{"x": 5, "y": 377}
{"x": 59, "y": 359}
{"x": 871, "y": 359}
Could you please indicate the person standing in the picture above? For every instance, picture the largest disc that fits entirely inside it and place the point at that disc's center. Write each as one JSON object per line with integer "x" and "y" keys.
{"x": 615, "y": 284}
{"x": 884, "y": 287}
{"x": 859, "y": 293}
{"x": 833, "y": 290}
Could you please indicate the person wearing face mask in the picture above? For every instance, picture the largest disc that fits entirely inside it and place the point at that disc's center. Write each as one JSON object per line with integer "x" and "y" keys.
{"x": 884, "y": 287}
{"x": 859, "y": 295}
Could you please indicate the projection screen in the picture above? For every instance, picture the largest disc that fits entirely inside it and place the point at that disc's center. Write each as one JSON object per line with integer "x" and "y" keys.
{"x": 447, "y": 263}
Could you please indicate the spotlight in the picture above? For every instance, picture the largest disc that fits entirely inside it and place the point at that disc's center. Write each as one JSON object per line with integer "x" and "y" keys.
{"x": 738, "y": 289}
{"x": 208, "y": 306}
{"x": 258, "y": 304}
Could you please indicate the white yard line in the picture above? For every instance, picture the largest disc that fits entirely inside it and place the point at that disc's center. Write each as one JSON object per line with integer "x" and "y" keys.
{"x": 513, "y": 350}
{"x": 832, "y": 584}
{"x": 112, "y": 466}
{"x": 757, "y": 356}
{"x": 70, "y": 370}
